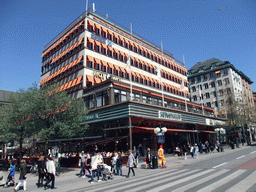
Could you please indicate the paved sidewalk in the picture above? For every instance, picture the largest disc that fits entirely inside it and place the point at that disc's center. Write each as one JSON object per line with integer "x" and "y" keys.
{"x": 69, "y": 180}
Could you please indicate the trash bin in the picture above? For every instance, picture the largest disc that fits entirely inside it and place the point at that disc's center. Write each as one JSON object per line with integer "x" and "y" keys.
{"x": 154, "y": 162}
{"x": 232, "y": 146}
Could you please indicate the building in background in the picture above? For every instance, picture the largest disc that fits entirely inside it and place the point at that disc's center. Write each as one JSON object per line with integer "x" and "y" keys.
{"x": 219, "y": 85}
{"x": 129, "y": 85}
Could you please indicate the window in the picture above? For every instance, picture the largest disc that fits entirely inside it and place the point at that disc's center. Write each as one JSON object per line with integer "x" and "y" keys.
{"x": 211, "y": 75}
{"x": 206, "y": 86}
{"x": 137, "y": 97}
{"x": 99, "y": 100}
{"x": 149, "y": 100}
{"x": 208, "y": 104}
{"x": 219, "y": 82}
{"x": 144, "y": 99}
{"x": 225, "y": 71}
{"x": 193, "y": 89}
{"x": 91, "y": 102}
{"x": 216, "y": 104}
{"x": 105, "y": 98}
{"x": 218, "y": 74}
{"x": 207, "y": 95}
{"x": 213, "y": 65}
{"x": 221, "y": 92}
{"x": 214, "y": 93}
{"x": 123, "y": 96}
{"x": 226, "y": 81}
{"x": 200, "y": 86}
{"x": 228, "y": 91}
{"x": 194, "y": 98}
{"x": 198, "y": 79}
{"x": 205, "y": 77}
{"x": 222, "y": 102}
{"x": 192, "y": 80}
{"x": 117, "y": 95}
{"x": 212, "y": 84}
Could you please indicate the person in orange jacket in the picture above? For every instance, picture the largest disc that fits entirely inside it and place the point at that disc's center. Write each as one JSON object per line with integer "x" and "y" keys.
{"x": 161, "y": 157}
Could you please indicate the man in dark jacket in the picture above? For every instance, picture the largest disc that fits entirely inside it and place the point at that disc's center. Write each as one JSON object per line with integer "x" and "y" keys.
{"x": 22, "y": 178}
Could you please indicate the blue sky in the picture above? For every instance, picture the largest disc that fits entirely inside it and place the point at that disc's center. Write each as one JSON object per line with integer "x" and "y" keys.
{"x": 193, "y": 28}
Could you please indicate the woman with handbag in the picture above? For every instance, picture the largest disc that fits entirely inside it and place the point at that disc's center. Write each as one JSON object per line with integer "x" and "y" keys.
{"x": 23, "y": 178}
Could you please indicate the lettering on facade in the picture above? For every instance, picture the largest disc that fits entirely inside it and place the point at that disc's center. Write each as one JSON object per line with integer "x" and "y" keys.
{"x": 105, "y": 76}
{"x": 169, "y": 115}
{"x": 102, "y": 40}
{"x": 92, "y": 116}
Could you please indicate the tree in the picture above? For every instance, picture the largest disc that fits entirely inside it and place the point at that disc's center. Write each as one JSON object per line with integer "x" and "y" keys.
{"x": 47, "y": 112}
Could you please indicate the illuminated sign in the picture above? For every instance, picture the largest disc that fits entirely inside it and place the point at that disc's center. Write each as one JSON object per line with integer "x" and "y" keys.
{"x": 169, "y": 115}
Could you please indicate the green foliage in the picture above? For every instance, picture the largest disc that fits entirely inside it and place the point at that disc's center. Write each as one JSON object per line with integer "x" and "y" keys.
{"x": 46, "y": 112}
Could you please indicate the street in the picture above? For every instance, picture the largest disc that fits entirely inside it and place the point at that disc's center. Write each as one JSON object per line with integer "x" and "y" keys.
{"x": 233, "y": 170}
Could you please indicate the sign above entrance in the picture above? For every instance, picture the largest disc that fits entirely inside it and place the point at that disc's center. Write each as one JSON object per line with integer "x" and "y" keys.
{"x": 169, "y": 115}
{"x": 92, "y": 116}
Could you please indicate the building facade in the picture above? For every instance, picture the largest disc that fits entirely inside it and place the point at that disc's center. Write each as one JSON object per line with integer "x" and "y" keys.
{"x": 129, "y": 85}
{"x": 213, "y": 81}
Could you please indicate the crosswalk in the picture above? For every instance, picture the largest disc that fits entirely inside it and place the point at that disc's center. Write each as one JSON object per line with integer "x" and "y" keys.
{"x": 178, "y": 180}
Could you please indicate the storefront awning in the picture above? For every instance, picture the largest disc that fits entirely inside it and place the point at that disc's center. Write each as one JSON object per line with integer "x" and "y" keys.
{"x": 168, "y": 130}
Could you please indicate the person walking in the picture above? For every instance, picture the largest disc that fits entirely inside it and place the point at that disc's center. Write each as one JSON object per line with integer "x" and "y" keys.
{"x": 130, "y": 163}
{"x": 41, "y": 171}
{"x": 196, "y": 150}
{"x": 87, "y": 165}
{"x": 148, "y": 159}
{"x": 11, "y": 174}
{"x": 119, "y": 163}
{"x": 22, "y": 178}
{"x": 161, "y": 157}
{"x": 50, "y": 167}
{"x": 135, "y": 154}
{"x": 94, "y": 165}
{"x": 191, "y": 150}
{"x": 83, "y": 157}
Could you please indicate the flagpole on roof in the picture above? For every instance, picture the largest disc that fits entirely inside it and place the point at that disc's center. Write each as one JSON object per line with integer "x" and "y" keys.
{"x": 161, "y": 76}
{"x": 183, "y": 87}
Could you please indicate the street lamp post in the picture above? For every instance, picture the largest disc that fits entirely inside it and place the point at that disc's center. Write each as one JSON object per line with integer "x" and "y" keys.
{"x": 220, "y": 131}
{"x": 160, "y": 134}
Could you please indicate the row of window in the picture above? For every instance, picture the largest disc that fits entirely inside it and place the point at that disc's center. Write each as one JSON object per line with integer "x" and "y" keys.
{"x": 212, "y": 84}
{"x": 134, "y": 77}
{"x": 207, "y": 95}
{"x": 134, "y": 62}
{"x": 69, "y": 53}
{"x": 64, "y": 41}
{"x": 102, "y": 99}
{"x": 62, "y": 73}
{"x": 133, "y": 47}
{"x": 211, "y": 75}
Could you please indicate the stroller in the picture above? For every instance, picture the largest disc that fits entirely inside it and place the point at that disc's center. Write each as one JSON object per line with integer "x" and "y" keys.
{"x": 106, "y": 172}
